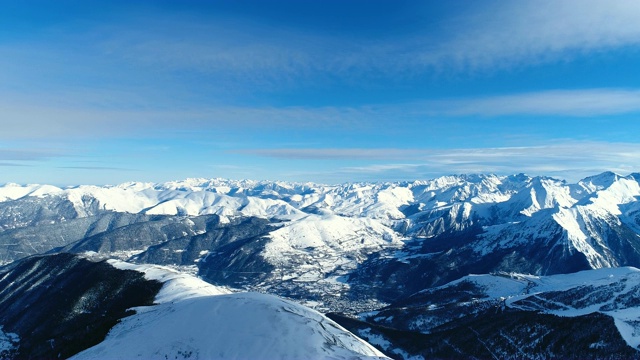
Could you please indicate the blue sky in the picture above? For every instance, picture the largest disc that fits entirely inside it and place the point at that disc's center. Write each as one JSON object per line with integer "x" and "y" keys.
{"x": 103, "y": 92}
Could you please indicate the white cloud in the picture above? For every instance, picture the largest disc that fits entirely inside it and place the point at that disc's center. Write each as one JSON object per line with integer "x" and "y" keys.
{"x": 222, "y": 55}
{"x": 571, "y": 160}
{"x": 42, "y": 120}
{"x": 493, "y": 34}
{"x": 588, "y": 102}
{"x": 231, "y": 49}
{"x": 504, "y": 34}
{"x": 28, "y": 154}
{"x": 49, "y": 118}
{"x": 325, "y": 153}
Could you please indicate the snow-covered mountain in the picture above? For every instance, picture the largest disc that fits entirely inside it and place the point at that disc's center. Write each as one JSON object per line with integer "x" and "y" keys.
{"x": 333, "y": 242}
{"x": 406, "y": 206}
{"x": 63, "y": 305}
{"x": 356, "y": 247}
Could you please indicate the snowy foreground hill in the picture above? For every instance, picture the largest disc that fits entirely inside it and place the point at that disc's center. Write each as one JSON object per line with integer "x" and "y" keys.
{"x": 402, "y": 251}
{"x": 193, "y": 319}
{"x": 187, "y": 318}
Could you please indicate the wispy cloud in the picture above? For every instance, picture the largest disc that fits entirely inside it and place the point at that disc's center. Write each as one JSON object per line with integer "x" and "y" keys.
{"x": 170, "y": 58}
{"x": 6, "y": 164}
{"x": 29, "y": 120}
{"x": 107, "y": 168}
{"x": 569, "y": 149}
{"x": 496, "y": 34}
{"x": 231, "y": 49}
{"x": 588, "y": 102}
{"x": 530, "y": 32}
{"x": 33, "y": 154}
{"x": 376, "y": 154}
{"x": 570, "y": 159}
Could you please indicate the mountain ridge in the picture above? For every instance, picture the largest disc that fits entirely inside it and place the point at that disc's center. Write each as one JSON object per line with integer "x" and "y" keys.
{"x": 520, "y": 223}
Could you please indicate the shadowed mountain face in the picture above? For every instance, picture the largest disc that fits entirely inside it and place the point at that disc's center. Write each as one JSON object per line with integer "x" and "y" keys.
{"x": 61, "y": 304}
{"x": 29, "y": 240}
{"x": 508, "y": 334}
{"x": 589, "y": 314}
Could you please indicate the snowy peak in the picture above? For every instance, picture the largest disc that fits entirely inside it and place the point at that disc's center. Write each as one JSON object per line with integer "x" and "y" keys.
{"x": 384, "y": 201}
{"x": 13, "y": 191}
{"x": 599, "y": 182}
{"x": 459, "y": 188}
{"x": 541, "y": 193}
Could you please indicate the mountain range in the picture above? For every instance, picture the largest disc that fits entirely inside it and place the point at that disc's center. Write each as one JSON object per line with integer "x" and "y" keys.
{"x": 392, "y": 262}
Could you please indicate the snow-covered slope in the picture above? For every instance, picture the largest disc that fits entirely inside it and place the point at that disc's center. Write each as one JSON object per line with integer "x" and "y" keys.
{"x": 195, "y": 320}
{"x": 320, "y": 244}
